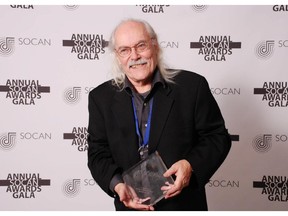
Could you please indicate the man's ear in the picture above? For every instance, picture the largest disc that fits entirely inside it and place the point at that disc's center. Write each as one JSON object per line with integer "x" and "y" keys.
{"x": 117, "y": 59}
{"x": 155, "y": 44}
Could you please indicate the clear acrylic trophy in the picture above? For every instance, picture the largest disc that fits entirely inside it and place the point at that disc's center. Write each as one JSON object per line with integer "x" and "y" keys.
{"x": 145, "y": 179}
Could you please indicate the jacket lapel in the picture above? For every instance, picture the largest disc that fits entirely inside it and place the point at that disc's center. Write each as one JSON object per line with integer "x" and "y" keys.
{"x": 161, "y": 108}
{"x": 123, "y": 112}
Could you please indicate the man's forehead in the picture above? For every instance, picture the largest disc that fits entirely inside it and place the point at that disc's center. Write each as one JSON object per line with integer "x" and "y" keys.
{"x": 129, "y": 24}
{"x": 128, "y": 33}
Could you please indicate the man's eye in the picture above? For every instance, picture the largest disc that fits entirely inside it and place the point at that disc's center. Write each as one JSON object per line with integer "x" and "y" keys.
{"x": 141, "y": 46}
{"x": 124, "y": 50}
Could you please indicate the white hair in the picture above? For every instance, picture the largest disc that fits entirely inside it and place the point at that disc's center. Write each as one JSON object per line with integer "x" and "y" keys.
{"x": 118, "y": 75}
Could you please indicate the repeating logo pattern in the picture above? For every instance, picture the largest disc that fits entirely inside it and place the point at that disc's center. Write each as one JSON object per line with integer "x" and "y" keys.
{"x": 225, "y": 91}
{"x": 71, "y": 188}
{"x": 87, "y": 46}
{"x": 24, "y": 185}
{"x": 72, "y": 95}
{"x": 215, "y": 48}
{"x": 262, "y": 143}
{"x": 274, "y": 187}
{"x": 7, "y": 140}
{"x": 223, "y": 183}
{"x": 24, "y": 92}
{"x": 265, "y": 49}
{"x": 275, "y": 93}
{"x": 79, "y": 138}
{"x": 7, "y": 46}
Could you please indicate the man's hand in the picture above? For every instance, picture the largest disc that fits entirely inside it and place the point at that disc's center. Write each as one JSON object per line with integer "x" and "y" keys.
{"x": 183, "y": 171}
{"x": 128, "y": 196}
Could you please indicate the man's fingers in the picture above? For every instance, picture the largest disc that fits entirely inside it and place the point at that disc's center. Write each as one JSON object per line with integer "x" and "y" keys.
{"x": 172, "y": 189}
{"x": 166, "y": 187}
{"x": 140, "y": 201}
{"x": 136, "y": 205}
{"x": 170, "y": 172}
{"x": 172, "y": 194}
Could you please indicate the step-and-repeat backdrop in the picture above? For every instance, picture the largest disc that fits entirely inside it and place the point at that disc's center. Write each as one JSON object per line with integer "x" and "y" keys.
{"x": 52, "y": 56}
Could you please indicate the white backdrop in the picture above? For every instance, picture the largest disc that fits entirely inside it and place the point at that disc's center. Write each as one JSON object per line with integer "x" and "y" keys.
{"x": 48, "y": 65}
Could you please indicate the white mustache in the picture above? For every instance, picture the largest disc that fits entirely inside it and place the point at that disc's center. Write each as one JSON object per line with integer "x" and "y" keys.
{"x": 140, "y": 61}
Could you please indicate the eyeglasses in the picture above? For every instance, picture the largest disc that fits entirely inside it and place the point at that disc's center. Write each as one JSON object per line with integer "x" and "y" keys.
{"x": 140, "y": 47}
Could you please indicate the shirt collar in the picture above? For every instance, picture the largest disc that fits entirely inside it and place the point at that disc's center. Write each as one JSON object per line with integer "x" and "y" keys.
{"x": 157, "y": 79}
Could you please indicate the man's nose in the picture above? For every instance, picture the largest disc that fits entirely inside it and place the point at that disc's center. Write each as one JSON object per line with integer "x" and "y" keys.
{"x": 134, "y": 54}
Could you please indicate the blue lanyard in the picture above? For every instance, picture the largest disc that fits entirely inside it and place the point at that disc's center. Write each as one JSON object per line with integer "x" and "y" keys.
{"x": 147, "y": 132}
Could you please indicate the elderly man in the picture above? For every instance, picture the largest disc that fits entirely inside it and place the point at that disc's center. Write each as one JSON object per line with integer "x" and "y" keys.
{"x": 147, "y": 108}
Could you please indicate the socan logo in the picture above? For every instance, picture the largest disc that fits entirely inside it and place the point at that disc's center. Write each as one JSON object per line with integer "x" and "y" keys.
{"x": 262, "y": 143}
{"x": 87, "y": 46}
{"x": 265, "y": 49}
{"x": 215, "y": 48}
{"x": 72, "y": 95}
{"x": 274, "y": 187}
{"x": 71, "y": 187}
{"x": 35, "y": 136}
{"x": 34, "y": 42}
{"x": 199, "y": 8}
{"x": 275, "y": 93}
{"x": 24, "y": 185}
{"x": 24, "y": 92}
{"x": 225, "y": 91}
{"x": 7, "y": 46}
{"x": 7, "y": 140}
{"x": 223, "y": 183}
{"x": 78, "y": 137}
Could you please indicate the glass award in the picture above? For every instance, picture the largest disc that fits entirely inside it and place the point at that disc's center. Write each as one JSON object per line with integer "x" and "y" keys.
{"x": 145, "y": 179}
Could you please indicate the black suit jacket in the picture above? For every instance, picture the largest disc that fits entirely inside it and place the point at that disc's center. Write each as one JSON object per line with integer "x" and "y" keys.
{"x": 186, "y": 124}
